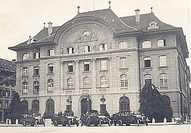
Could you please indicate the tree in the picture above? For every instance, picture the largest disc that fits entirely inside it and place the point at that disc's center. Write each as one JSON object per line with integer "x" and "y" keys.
{"x": 16, "y": 108}
{"x": 151, "y": 103}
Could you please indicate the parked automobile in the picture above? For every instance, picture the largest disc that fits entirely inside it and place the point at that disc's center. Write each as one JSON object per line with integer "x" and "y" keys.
{"x": 104, "y": 120}
{"x": 39, "y": 120}
{"x": 90, "y": 118}
{"x": 26, "y": 119}
{"x": 122, "y": 118}
{"x": 73, "y": 120}
{"x": 60, "y": 119}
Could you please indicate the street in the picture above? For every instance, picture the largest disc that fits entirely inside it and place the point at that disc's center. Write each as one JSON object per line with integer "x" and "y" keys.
{"x": 185, "y": 128}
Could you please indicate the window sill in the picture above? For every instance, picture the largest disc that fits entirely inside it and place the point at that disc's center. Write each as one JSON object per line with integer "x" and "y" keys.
{"x": 148, "y": 68}
{"x": 163, "y": 67}
{"x": 86, "y": 71}
{"x": 124, "y": 87}
{"x": 36, "y": 75}
{"x": 86, "y": 88}
{"x": 69, "y": 89}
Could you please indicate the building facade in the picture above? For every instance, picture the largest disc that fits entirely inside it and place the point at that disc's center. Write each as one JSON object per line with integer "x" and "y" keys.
{"x": 100, "y": 61}
{"x": 7, "y": 87}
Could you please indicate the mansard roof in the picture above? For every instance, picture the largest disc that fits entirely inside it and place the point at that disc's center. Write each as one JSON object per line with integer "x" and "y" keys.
{"x": 7, "y": 66}
{"x": 119, "y": 25}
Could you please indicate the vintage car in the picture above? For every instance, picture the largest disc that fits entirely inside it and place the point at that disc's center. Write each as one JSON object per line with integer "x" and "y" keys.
{"x": 122, "y": 118}
{"x": 104, "y": 120}
{"x": 73, "y": 120}
{"x": 26, "y": 119}
{"x": 90, "y": 118}
{"x": 39, "y": 120}
{"x": 60, "y": 119}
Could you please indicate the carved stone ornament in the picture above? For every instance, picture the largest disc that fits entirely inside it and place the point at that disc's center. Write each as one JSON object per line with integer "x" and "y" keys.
{"x": 86, "y": 36}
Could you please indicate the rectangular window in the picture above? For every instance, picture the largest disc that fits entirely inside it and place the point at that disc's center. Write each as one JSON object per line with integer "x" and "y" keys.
{"x": 25, "y": 71}
{"x": 147, "y": 62}
{"x": 86, "y": 66}
{"x": 50, "y": 68}
{"x": 103, "y": 47}
{"x": 25, "y": 87}
{"x": 162, "y": 60}
{"x": 36, "y": 70}
{"x": 1, "y": 105}
{"x": 70, "y": 67}
{"x": 123, "y": 62}
{"x": 103, "y": 65}
{"x": 50, "y": 52}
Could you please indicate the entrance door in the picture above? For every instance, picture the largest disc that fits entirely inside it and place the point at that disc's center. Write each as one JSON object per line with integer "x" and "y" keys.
{"x": 85, "y": 105}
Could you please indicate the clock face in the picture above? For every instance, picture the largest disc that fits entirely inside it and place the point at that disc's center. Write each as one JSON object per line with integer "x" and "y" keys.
{"x": 86, "y": 33}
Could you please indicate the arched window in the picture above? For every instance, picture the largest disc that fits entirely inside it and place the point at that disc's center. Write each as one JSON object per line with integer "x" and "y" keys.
{"x": 50, "y": 85}
{"x": 35, "y": 106}
{"x": 86, "y": 82}
{"x": 124, "y": 81}
{"x": 103, "y": 82}
{"x": 35, "y": 87}
{"x": 25, "y": 56}
{"x": 163, "y": 79}
{"x": 122, "y": 45}
{"x": 124, "y": 104}
{"x": 70, "y": 50}
{"x": 36, "y": 55}
{"x": 25, "y": 106}
{"x": 161, "y": 43}
{"x": 146, "y": 44}
{"x": 70, "y": 83}
{"x": 50, "y": 107}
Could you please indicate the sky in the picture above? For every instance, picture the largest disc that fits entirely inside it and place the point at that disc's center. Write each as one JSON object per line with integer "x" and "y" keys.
{"x": 21, "y": 18}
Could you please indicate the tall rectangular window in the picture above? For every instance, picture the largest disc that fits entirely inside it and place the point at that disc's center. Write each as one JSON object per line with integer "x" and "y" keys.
{"x": 162, "y": 60}
{"x": 36, "y": 70}
{"x": 36, "y": 87}
{"x": 123, "y": 62}
{"x": 25, "y": 71}
{"x": 50, "y": 68}
{"x": 25, "y": 87}
{"x": 50, "y": 52}
{"x": 86, "y": 66}
{"x": 70, "y": 67}
{"x": 103, "y": 64}
{"x": 163, "y": 79}
{"x": 103, "y": 47}
{"x": 147, "y": 62}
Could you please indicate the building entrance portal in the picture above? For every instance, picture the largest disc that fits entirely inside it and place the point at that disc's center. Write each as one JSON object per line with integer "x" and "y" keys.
{"x": 85, "y": 105}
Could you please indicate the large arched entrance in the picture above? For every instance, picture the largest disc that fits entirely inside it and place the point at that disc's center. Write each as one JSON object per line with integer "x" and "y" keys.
{"x": 124, "y": 104}
{"x": 85, "y": 105}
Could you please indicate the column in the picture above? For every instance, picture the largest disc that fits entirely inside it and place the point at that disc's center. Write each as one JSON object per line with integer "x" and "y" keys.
{"x": 93, "y": 75}
{"x": 110, "y": 72}
{"x": 77, "y": 80}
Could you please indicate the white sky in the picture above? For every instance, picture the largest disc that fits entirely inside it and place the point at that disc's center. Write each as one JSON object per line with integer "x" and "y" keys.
{"x": 21, "y": 18}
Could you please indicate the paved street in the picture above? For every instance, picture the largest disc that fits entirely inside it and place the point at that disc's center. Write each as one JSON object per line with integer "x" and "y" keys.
{"x": 160, "y": 128}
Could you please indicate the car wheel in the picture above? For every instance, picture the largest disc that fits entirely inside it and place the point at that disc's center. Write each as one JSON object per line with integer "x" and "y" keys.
{"x": 55, "y": 123}
{"x": 24, "y": 123}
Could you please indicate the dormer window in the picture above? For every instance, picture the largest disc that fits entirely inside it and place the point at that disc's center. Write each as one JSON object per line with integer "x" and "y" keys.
{"x": 161, "y": 43}
{"x": 153, "y": 25}
{"x": 36, "y": 55}
{"x": 146, "y": 44}
{"x": 122, "y": 45}
{"x": 25, "y": 56}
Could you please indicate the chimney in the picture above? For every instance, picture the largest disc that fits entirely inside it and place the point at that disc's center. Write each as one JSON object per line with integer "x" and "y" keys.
{"x": 137, "y": 16}
{"x": 50, "y": 28}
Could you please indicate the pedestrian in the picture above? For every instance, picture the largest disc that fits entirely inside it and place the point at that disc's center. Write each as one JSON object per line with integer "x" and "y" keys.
{"x": 146, "y": 121}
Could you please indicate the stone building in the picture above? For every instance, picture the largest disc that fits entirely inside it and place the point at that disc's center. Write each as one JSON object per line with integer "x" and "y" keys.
{"x": 7, "y": 86}
{"x": 100, "y": 61}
